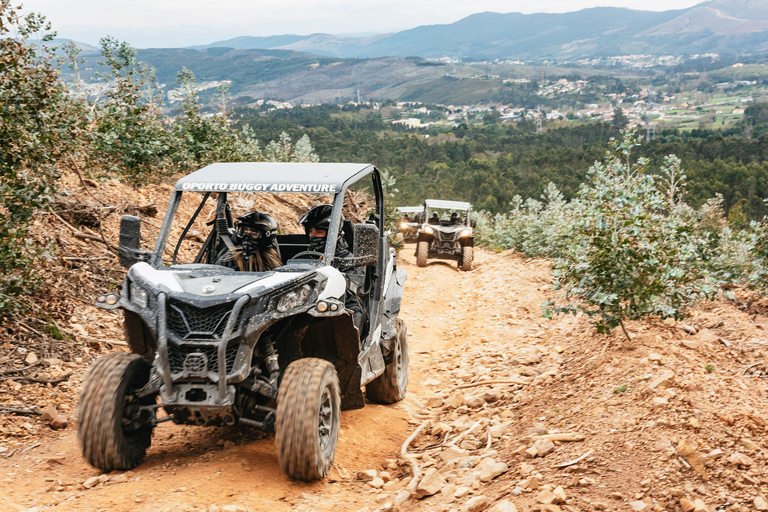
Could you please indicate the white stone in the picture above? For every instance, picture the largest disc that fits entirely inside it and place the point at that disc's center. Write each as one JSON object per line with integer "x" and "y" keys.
{"x": 476, "y": 504}
{"x": 503, "y": 506}
{"x": 430, "y": 484}
{"x": 91, "y": 482}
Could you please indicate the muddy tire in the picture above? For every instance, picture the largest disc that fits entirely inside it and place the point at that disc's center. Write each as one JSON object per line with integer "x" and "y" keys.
{"x": 467, "y": 256}
{"x": 422, "y": 250}
{"x": 108, "y": 439}
{"x": 308, "y": 416}
{"x": 391, "y": 386}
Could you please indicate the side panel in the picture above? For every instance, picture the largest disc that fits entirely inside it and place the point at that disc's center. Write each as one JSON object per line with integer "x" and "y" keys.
{"x": 335, "y": 339}
{"x": 140, "y": 339}
{"x": 392, "y": 307}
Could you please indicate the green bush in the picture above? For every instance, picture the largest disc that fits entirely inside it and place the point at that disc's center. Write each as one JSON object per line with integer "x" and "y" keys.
{"x": 633, "y": 256}
{"x": 535, "y": 228}
{"x": 759, "y": 253}
{"x": 34, "y": 132}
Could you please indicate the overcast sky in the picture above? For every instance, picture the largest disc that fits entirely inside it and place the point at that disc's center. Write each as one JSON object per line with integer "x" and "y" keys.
{"x": 169, "y": 23}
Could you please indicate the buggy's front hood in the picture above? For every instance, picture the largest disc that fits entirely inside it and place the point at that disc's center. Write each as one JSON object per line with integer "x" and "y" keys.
{"x": 212, "y": 280}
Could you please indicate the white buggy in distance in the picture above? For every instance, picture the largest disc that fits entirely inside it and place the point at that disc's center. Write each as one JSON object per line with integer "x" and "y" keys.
{"x": 273, "y": 350}
{"x": 447, "y": 233}
{"x": 412, "y": 217}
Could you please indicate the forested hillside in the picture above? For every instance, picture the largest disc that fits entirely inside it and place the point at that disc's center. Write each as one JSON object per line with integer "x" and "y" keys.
{"x": 488, "y": 164}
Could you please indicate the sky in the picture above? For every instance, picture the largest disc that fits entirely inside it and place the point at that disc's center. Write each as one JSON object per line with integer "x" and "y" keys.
{"x": 179, "y": 23}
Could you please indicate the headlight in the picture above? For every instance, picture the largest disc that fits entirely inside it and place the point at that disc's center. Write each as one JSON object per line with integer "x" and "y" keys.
{"x": 403, "y": 225}
{"x": 428, "y": 230}
{"x": 465, "y": 232}
{"x": 294, "y": 298}
{"x": 138, "y": 295}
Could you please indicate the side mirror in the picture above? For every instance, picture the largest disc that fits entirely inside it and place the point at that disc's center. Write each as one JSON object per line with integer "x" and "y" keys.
{"x": 129, "y": 249}
{"x": 366, "y": 249}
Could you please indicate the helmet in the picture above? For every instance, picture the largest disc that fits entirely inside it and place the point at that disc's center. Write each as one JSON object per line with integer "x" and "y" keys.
{"x": 318, "y": 217}
{"x": 257, "y": 227}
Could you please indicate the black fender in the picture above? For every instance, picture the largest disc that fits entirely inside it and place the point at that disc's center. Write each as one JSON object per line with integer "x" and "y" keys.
{"x": 140, "y": 338}
{"x": 336, "y": 340}
{"x": 392, "y": 303}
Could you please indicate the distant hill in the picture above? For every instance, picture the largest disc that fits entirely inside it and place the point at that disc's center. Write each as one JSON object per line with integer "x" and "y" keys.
{"x": 323, "y": 68}
{"x": 301, "y": 77}
{"x": 720, "y": 26}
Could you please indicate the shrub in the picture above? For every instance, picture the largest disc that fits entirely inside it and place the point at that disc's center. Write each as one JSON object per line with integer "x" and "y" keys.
{"x": 33, "y": 134}
{"x": 759, "y": 252}
{"x": 633, "y": 257}
{"x": 533, "y": 227}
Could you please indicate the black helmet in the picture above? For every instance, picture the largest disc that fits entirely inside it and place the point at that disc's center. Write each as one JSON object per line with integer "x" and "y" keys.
{"x": 257, "y": 226}
{"x": 318, "y": 217}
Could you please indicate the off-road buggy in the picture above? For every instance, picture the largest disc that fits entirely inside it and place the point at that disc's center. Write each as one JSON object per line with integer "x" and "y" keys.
{"x": 411, "y": 219}
{"x": 273, "y": 350}
{"x": 447, "y": 233}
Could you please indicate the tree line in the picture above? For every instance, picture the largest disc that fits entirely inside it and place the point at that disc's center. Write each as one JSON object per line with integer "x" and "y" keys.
{"x": 489, "y": 164}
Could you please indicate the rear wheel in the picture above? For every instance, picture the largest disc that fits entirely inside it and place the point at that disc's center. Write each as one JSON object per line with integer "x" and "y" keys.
{"x": 467, "y": 255}
{"x": 114, "y": 428}
{"x": 422, "y": 249}
{"x": 308, "y": 416}
{"x": 391, "y": 386}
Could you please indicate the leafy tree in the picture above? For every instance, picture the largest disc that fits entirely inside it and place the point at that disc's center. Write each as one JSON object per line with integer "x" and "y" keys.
{"x": 207, "y": 138}
{"x": 633, "y": 257}
{"x": 759, "y": 278}
{"x": 619, "y": 119}
{"x": 33, "y": 134}
{"x": 131, "y": 137}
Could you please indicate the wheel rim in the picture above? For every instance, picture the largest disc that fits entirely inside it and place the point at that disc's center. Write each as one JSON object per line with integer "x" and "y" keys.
{"x": 326, "y": 419}
{"x": 401, "y": 364}
{"x": 135, "y": 420}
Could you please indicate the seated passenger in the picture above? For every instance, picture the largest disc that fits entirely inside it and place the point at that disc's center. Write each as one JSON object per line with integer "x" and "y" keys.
{"x": 455, "y": 219}
{"x": 255, "y": 244}
{"x": 434, "y": 219}
{"x": 316, "y": 223}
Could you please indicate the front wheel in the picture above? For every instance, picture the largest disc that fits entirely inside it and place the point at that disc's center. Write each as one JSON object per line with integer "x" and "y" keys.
{"x": 467, "y": 255}
{"x": 308, "y": 417}
{"x": 422, "y": 249}
{"x": 391, "y": 386}
{"x": 114, "y": 424}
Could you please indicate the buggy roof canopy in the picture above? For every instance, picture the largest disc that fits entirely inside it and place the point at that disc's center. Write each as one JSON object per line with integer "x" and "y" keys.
{"x": 448, "y": 205}
{"x": 409, "y": 209}
{"x": 272, "y": 177}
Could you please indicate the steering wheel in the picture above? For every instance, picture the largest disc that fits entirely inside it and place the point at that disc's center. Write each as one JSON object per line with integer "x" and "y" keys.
{"x": 308, "y": 255}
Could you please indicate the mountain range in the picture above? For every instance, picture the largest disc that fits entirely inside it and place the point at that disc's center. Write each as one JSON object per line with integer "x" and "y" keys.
{"x": 479, "y": 52}
{"x": 715, "y": 26}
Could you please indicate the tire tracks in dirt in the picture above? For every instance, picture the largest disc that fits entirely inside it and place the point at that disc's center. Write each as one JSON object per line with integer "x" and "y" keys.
{"x": 190, "y": 468}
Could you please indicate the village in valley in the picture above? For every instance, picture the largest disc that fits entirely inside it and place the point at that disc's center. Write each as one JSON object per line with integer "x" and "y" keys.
{"x": 646, "y": 103}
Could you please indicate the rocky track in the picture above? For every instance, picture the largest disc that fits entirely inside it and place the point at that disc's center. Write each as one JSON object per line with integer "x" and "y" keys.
{"x": 505, "y": 411}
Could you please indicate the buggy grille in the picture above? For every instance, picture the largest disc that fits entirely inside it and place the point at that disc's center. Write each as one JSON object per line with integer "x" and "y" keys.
{"x": 190, "y": 322}
{"x": 193, "y": 358}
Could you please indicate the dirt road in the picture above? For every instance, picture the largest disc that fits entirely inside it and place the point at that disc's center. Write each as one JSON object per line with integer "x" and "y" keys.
{"x": 674, "y": 419}
{"x": 190, "y": 468}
